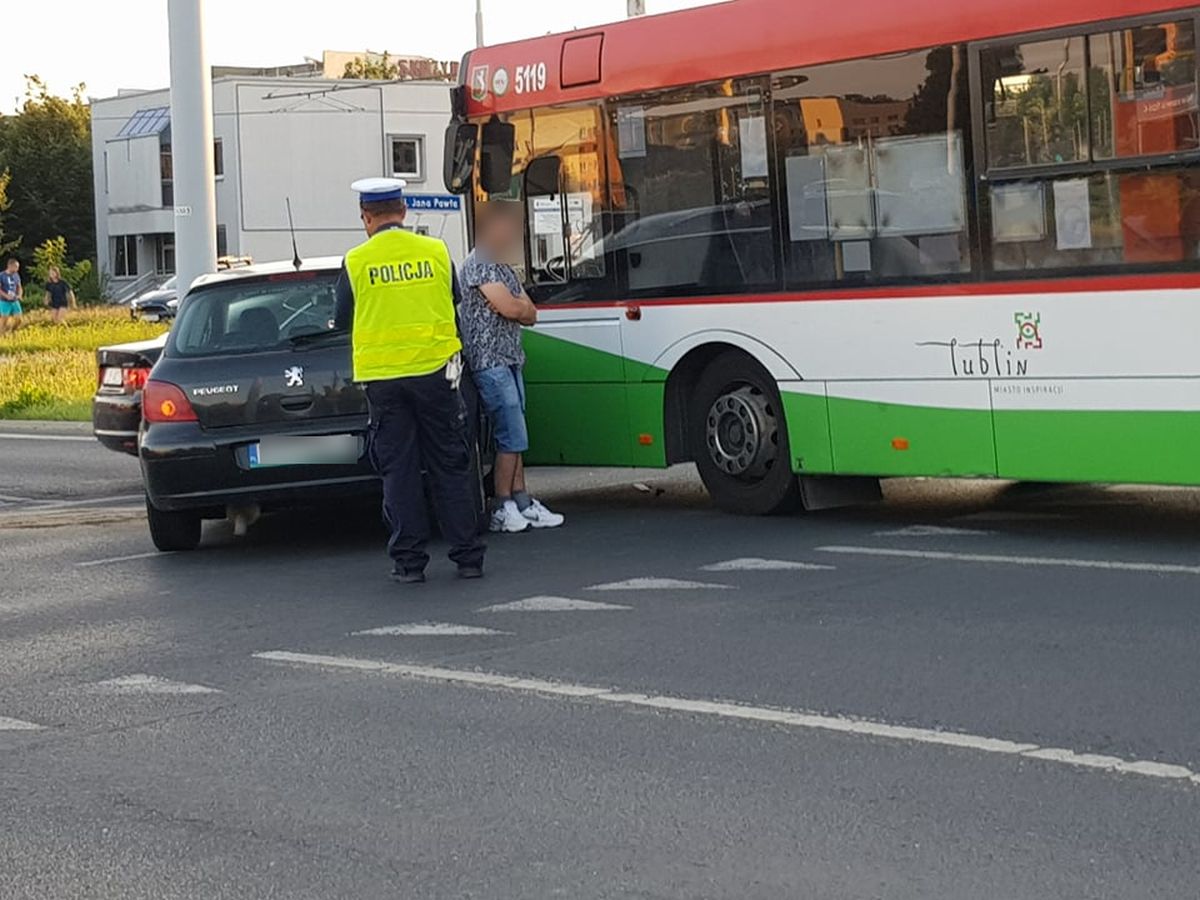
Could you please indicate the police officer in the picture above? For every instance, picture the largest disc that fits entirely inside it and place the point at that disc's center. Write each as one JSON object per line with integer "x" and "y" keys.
{"x": 397, "y": 295}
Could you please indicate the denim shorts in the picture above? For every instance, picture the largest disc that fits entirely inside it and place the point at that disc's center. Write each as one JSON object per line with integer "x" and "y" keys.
{"x": 10, "y": 309}
{"x": 502, "y": 392}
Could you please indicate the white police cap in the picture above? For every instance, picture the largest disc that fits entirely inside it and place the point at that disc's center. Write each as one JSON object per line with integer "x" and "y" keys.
{"x": 377, "y": 190}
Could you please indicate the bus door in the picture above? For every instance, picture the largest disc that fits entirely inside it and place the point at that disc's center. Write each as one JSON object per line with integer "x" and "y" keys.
{"x": 575, "y": 373}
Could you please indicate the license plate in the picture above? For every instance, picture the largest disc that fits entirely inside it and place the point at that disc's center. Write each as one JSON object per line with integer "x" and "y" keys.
{"x": 112, "y": 377}
{"x": 327, "y": 450}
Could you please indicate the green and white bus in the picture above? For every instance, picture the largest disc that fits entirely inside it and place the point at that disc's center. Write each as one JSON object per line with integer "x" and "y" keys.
{"x": 808, "y": 246}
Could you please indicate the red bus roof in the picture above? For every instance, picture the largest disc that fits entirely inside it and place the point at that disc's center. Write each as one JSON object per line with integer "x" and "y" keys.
{"x": 744, "y": 37}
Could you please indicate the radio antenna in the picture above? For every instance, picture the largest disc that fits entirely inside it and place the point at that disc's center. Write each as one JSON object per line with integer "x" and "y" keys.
{"x": 296, "y": 261}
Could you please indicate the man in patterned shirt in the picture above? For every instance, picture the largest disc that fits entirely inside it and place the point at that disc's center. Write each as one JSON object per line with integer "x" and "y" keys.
{"x": 492, "y": 311}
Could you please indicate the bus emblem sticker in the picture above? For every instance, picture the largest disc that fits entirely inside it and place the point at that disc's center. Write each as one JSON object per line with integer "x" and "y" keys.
{"x": 1029, "y": 331}
{"x": 479, "y": 83}
{"x": 500, "y": 82}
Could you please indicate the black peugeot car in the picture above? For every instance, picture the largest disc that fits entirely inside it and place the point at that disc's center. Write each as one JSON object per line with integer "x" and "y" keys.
{"x": 252, "y": 406}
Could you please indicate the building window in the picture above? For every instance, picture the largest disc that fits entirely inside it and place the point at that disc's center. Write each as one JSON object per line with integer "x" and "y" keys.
{"x": 124, "y": 256}
{"x": 166, "y": 174}
{"x": 222, "y": 242}
{"x": 872, "y": 158}
{"x": 164, "y": 262}
{"x": 408, "y": 158}
{"x": 218, "y": 158}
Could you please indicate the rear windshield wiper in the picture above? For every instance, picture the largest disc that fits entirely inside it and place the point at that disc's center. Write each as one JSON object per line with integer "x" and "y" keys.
{"x": 298, "y": 340}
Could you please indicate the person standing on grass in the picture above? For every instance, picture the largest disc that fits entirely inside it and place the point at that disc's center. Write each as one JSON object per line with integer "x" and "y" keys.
{"x": 11, "y": 294}
{"x": 493, "y": 309}
{"x": 59, "y": 296}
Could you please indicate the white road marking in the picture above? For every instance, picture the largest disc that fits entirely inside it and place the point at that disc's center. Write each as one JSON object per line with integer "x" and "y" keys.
{"x": 755, "y": 564}
{"x": 1109, "y": 565}
{"x": 147, "y": 684}
{"x": 930, "y": 531}
{"x": 93, "y": 501}
{"x": 553, "y": 604}
{"x": 7, "y": 724}
{"x": 75, "y": 438}
{"x": 727, "y": 710}
{"x": 659, "y": 584}
{"x": 426, "y": 629}
{"x": 120, "y": 559}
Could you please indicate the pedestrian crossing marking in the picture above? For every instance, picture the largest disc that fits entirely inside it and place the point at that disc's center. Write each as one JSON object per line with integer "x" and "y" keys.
{"x": 659, "y": 584}
{"x": 755, "y": 564}
{"x": 553, "y": 604}
{"x": 427, "y": 629}
{"x": 142, "y": 683}
{"x": 7, "y": 724}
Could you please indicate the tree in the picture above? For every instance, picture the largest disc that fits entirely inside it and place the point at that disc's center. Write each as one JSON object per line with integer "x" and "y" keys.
{"x": 53, "y": 252}
{"x": 371, "y": 67}
{"x": 47, "y": 150}
{"x": 7, "y": 244}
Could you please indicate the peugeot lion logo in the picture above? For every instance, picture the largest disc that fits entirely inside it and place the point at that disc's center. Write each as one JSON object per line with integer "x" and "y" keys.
{"x": 294, "y": 376}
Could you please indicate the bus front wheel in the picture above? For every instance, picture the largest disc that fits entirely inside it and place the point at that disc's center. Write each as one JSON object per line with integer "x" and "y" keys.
{"x": 739, "y": 438}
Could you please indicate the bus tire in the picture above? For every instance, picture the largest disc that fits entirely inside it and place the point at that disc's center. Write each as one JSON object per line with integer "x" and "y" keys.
{"x": 738, "y": 438}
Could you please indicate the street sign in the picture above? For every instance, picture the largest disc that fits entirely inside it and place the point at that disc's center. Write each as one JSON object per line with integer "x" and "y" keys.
{"x": 433, "y": 202}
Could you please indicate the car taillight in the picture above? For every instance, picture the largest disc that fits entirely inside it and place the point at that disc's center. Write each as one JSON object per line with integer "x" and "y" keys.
{"x": 165, "y": 402}
{"x": 135, "y": 379}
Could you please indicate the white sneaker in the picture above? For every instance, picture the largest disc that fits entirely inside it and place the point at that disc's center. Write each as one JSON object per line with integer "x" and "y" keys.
{"x": 540, "y": 517}
{"x": 508, "y": 519}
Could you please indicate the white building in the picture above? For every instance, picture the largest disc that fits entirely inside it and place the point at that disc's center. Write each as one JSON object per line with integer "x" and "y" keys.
{"x": 276, "y": 138}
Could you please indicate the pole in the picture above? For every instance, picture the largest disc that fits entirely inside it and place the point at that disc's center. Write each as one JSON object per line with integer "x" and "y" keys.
{"x": 478, "y": 23}
{"x": 191, "y": 144}
{"x": 635, "y": 8}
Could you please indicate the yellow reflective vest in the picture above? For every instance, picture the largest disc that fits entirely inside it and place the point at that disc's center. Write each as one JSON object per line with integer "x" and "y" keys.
{"x": 403, "y": 306}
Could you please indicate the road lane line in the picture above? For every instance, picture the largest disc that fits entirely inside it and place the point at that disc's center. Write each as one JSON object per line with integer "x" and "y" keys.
{"x": 120, "y": 559}
{"x": 73, "y": 438}
{"x": 755, "y": 564}
{"x": 727, "y": 710}
{"x": 7, "y": 724}
{"x": 1110, "y": 565}
{"x": 932, "y": 531}
{"x": 142, "y": 683}
{"x": 553, "y": 604}
{"x": 659, "y": 584}
{"x": 426, "y": 629}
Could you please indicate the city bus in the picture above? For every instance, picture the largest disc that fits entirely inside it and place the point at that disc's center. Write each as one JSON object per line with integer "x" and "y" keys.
{"x": 810, "y": 245}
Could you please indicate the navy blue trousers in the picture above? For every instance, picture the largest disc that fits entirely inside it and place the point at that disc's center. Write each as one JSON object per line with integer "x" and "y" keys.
{"x": 419, "y": 425}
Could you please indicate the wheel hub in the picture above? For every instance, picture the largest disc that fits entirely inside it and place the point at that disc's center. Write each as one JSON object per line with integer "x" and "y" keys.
{"x": 741, "y": 433}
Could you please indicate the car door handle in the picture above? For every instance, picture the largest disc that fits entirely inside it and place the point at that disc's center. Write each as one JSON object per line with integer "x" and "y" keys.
{"x": 296, "y": 404}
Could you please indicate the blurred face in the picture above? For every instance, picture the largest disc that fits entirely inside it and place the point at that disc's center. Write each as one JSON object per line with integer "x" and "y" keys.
{"x": 13, "y": 266}
{"x": 502, "y": 233}
{"x": 54, "y": 274}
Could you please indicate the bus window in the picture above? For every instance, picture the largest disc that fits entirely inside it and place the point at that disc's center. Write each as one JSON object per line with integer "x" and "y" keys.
{"x": 564, "y": 226}
{"x": 691, "y": 190}
{"x": 1036, "y": 111}
{"x": 1094, "y": 212}
{"x": 872, "y": 162}
{"x": 1143, "y": 90}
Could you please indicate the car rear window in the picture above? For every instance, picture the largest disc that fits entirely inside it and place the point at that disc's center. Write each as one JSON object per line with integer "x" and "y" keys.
{"x": 255, "y": 314}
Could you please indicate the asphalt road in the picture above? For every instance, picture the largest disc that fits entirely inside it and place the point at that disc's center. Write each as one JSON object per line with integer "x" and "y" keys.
{"x": 972, "y": 691}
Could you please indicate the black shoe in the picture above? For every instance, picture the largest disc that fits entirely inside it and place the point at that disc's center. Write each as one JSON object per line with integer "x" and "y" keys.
{"x": 408, "y": 576}
{"x": 470, "y": 572}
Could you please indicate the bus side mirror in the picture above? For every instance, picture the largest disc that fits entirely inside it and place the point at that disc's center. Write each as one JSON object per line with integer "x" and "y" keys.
{"x": 496, "y": 157}
{"x": 542, "y": 177}
{"x": 461, "y": 142}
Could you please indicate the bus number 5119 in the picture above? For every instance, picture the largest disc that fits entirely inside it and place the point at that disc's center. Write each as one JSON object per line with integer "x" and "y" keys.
{"x": 531, "y": 78}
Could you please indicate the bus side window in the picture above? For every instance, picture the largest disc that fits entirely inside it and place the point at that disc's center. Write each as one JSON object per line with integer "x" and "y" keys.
{"x": 872, "y": 159}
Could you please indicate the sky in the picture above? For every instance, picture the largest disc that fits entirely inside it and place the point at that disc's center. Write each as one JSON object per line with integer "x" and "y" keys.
{"x": 123, "y": 44}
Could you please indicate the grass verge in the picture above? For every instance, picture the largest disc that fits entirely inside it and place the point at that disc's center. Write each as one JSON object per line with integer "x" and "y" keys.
{"x": 49, "y": 371}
